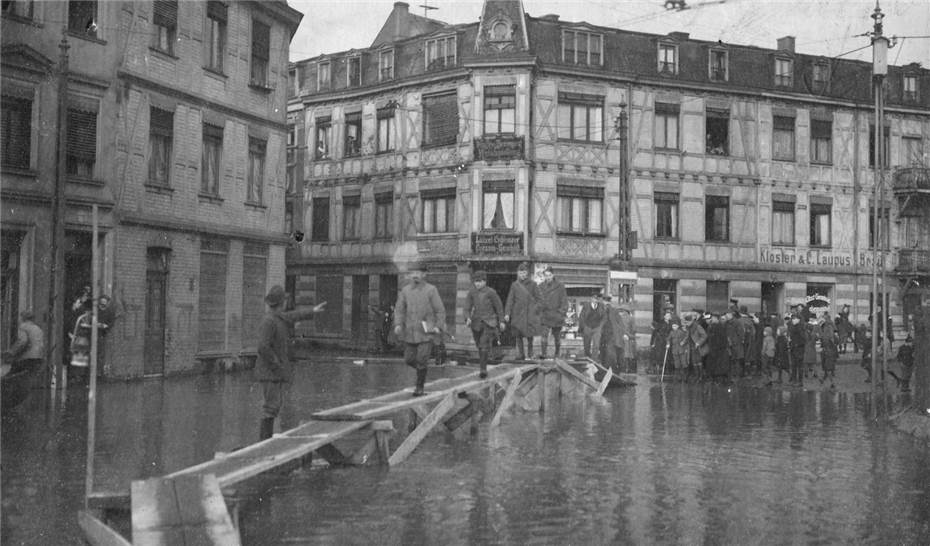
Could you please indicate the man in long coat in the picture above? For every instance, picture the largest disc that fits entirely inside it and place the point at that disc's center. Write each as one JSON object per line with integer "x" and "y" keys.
{"x": 553, "y": 304}
{"x": 590, "y": 324}
{"x": 419, "y": 315}
{"x": 618, "y": 340}
{"x": 658, "y": 343}
{"x": 697, "y": 344}
{"x": 484, "y": 314}
{"x": 521, "y": 310}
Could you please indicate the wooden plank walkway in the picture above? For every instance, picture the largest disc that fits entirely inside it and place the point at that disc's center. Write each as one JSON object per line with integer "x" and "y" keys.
{"x": 181, "y": 511}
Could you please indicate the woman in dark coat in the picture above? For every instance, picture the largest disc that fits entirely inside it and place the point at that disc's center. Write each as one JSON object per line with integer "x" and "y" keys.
{"x": 718, "y": 357}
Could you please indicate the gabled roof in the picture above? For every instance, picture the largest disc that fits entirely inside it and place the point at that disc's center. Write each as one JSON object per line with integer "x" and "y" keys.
{"x": 402, "y": 24}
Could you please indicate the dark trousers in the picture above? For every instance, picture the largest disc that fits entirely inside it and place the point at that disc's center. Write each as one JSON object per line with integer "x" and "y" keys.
{"x": 544, "y": 342}
{"x": 416, "y": 355}
{"x": 485, "y": 336}
{"x": 518, "y": 339}
{"x": 274, "y": 394}
{"x": 592, "y": 342}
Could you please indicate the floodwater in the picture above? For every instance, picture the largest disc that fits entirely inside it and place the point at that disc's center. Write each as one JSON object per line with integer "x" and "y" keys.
{"x": 672, "y": 464}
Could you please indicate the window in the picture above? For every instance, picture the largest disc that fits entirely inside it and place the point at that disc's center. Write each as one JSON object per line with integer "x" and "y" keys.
{"x": 354, "y": 71}
{"x": 256, "y": 170}
{"x": 782, "y": 222}
{"x": 783, "y": 138}
{"x": 254, "y": 278}
{"x": 385, "y": 130}
{"x": 261, "y": 46}
{"x": 351, "y": 217}
{"x": 666, "y": 204}
{"x": 386, "y": 65}
{"x": 668, "y": 59}
{"x": 883, "y": 222}
{"x": 19, "y": 8}
{"x": 320, "y": 226}
{"x": 322, "y": 76}
{"x": 211, "y": 299}
{"x": 821, "y": 141}
{"x": 718, "y": 65}
{"x": 666, "y": 126}
{"x": 783, "y": 70}
{"x": 581, "y": 118}
{"x": 165, "y": 19}
{"x": 718, "y": 131}
{"x": 82, "y": 142}
{"x": 885, "y": 147}
{"x": 820, "y": 74}
{"x": 384, "y": 215}
{"x": 161, "y": 135}
{"x": 820, "y": 224}
{"x": 16, "y": 138}
{"x": 910, "y": 88}
{"x": 210, "y": 164}
{"x": 499, "y": 109}
{"x": 718, "y": 296}
{"x": 440, "y": 52}
{"x": 580, "y": 209}
{"x": 440, "y": 120}
{"x": 498, "y": 204}
{"x": 913, "y": 151}
{"x": 291, "y": 135}
{"x": 82, "y": 17}
{"x": 353, "y": 135}
{"x": 324, "y": 132}
{"x": 717, "y": 218}
{"x": 579, "y": 47}
{"x": 216, "y": 35}
{"x": 438, "y": 210}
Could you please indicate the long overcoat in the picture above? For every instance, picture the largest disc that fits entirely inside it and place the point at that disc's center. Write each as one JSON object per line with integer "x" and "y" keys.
{"x": 273, "y": 362}
{"x": 718, "y": 357}
{"x": 553, "y": 303}
{"x": 418, "y": 303}
{"x": 697, "y": 343}
{"x": 523, "y": 307}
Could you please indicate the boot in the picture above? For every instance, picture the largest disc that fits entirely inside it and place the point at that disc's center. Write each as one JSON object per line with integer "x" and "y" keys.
{"x": 421, "y": 380}
{"x": 266, "y": 429}
{"x": 558, "y": 346}
{"x": 483, "y": 358}
{"x": 543, "y": 347}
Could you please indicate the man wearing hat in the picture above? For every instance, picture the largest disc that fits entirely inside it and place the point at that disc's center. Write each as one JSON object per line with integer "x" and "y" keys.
{"x": 522, "y": 310}
{"x": 484, "y": 314}
{"x": 418, "y": 316}
{"x": 273, "y": 366}
{"x": 591, "y": 323}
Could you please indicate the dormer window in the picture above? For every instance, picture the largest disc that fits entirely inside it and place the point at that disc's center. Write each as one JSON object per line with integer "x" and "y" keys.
{"x": 668, "y": 59}
{"x": 354, "y": 71}
{"x": 440, "y": 52}
{"x": 820, "y": 73}
{"x": 783, "y": 72}
{"x": 323, "y": 76}
{"x": 717, "y": 65}
{"x": 909, "y": 88}
{"x": 579, "y": 47}
{"x": 386, "y": 65}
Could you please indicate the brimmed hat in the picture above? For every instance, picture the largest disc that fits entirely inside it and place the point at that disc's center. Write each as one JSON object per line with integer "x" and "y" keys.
{"x": 479, "y": 276}
{"x": 275, "y": 296}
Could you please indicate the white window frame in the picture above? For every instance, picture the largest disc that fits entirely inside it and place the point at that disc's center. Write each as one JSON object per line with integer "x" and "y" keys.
{"x": 442, "y": 42}
{"x": 909, "y": 87}
{"x": 349, "y": 60}
{"x": 726, "y": 65}
{"x": 382, "y": 55}
{"x": 320, "y": 84}
{"x": 782, "y": 77}
{"x": 661, "y": 48}
{"x": 573, "y": 35}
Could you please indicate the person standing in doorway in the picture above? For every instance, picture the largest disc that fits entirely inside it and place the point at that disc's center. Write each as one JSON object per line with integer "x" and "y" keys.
{"x": 522, "y": 311}
{"x": 106, "y": 318}
{"x": 273, "y": 366}
{"x": 28, "y": 351}
{"x": 553, "y": 305}
{"x": 484, "y": 314}
{"x": 591, "y": 324}
{"x": 418, "y": 316}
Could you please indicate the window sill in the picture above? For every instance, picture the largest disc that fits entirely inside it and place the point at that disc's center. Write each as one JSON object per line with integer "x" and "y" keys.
{"x": 668, "y": 239}
{"x": 581, "y": 235}
{"x": 83, "y": 36}
{"x": 162, "y": 53}
{"x": 261, "y": 87}
{"x": 822, "y": 163}
{"x": 209, "y": 198}
{"x": 430, "y": 146}
{"x": 715, "y": 154}
{"x": 382, "y": 238}
{"x": 439, "y": 234}
{"x": 785, "y": 245}
{"x": 349, "y": 156}
{"x": 215, "y": 72}
{"x": 72, "y": 179}
{"x": 23, "y": 19}
{"x": 667, "y": 150}
{"x": 158, "y": 188}
{"x": 257, "y": 206}
{"x": 19, "y": 171}
{"x": 587, "y": 142}
{"x": 821, "y": 247}
{"x": 785, "y": 159}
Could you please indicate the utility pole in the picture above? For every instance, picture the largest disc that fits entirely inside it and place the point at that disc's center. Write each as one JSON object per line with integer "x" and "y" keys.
{"x": 57, "y": 272}
{"x": 623, "y": 222}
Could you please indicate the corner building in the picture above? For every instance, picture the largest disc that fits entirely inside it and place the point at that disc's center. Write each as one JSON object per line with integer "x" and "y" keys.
{"x": 748, "y": 172}
{"x": 176, "y": 127}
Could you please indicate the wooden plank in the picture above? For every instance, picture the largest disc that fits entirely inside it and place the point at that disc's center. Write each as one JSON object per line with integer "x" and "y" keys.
{"x": 464, "y": 414}
{"x": 109, "y": 500}
{"x": 97, "y": 533}
{"x": 604, "y": 382}
{"x": 413, "y": 440}
{"x": 508, "y": 399}
{"x": 572, "y": 372}
{"x": 182, "y": 510}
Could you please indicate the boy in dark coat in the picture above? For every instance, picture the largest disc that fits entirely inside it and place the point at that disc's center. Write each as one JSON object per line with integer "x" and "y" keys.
{"x": 484, "y": 315}
{"x": 522, "y": 310}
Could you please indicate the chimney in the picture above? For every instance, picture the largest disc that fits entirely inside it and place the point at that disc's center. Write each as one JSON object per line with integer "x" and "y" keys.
{"x": 786, "y": 44}
{"x": 399, "y": 14}
{"x": 679, "y": 35}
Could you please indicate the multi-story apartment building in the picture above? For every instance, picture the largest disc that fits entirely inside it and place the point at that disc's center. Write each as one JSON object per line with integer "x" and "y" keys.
{"x": 176, "y": 131}
{"x": 748, "y": 173}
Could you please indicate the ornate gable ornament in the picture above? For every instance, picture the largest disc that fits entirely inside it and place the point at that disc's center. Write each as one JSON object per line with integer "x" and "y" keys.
{"x": 502, "y": 28}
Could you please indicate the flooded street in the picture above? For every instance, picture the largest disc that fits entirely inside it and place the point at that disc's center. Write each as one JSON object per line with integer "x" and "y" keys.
{"x": 676, "y": 463}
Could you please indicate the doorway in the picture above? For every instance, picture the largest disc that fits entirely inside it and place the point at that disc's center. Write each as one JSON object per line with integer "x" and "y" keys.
{"x": 10, "y": 252}
{"x": 664, "y": 298}
{"x": 773, "y": 297}
{"x": 501, "y": 282}
{"x": 156, "y": 288}
{"x": 360, "y": 323}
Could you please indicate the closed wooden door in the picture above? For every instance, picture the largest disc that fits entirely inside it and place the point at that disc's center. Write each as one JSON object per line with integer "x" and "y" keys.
{"x": 156, "y": 300}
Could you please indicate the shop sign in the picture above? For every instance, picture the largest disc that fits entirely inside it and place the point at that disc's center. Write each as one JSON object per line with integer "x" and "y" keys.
{"x": 499, "y": 148}
{"x": 497, "y": 243}
{"x": 817, "y": 258}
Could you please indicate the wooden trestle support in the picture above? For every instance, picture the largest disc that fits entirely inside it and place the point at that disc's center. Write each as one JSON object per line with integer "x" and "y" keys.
{"x": 200, "y": 504}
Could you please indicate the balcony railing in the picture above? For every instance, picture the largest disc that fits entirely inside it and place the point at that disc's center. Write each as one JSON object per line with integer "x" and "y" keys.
{"x": 910, "y": 260}
{"x": 912, "y": 179}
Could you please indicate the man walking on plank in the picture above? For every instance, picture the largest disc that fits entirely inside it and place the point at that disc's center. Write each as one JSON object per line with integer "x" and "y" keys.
{"x": 522, "y": 311}
{"x": 273, "y": 367}
{"x": 484, "y": 315}
{"x": 418, "y": 315}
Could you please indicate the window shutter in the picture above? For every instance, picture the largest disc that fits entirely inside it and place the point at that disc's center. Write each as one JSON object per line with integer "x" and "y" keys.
{"x": 17, "y": 114}
{"x": 216, "y": 10}
{"x": 442, "y": 119}
{"x": 165, "y": 13}
{"x": 82, "y": 134}
{"x": 261, "y": 40}
{"x": 161, "y": 122}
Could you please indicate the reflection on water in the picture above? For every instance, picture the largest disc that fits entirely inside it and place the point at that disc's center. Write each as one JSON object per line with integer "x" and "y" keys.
{"x": 679, "y": 464}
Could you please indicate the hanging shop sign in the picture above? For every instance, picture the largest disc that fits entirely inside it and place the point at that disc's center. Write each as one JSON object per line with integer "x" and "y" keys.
{"x": 818, "y": 258}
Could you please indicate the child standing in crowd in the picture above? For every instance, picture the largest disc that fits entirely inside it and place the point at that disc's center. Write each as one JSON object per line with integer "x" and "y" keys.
{"x": 768, "y": 351}
{"x": 678, "y": 348}
{"x": 782, "y": 359}
{"x": 906, "y": 359}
